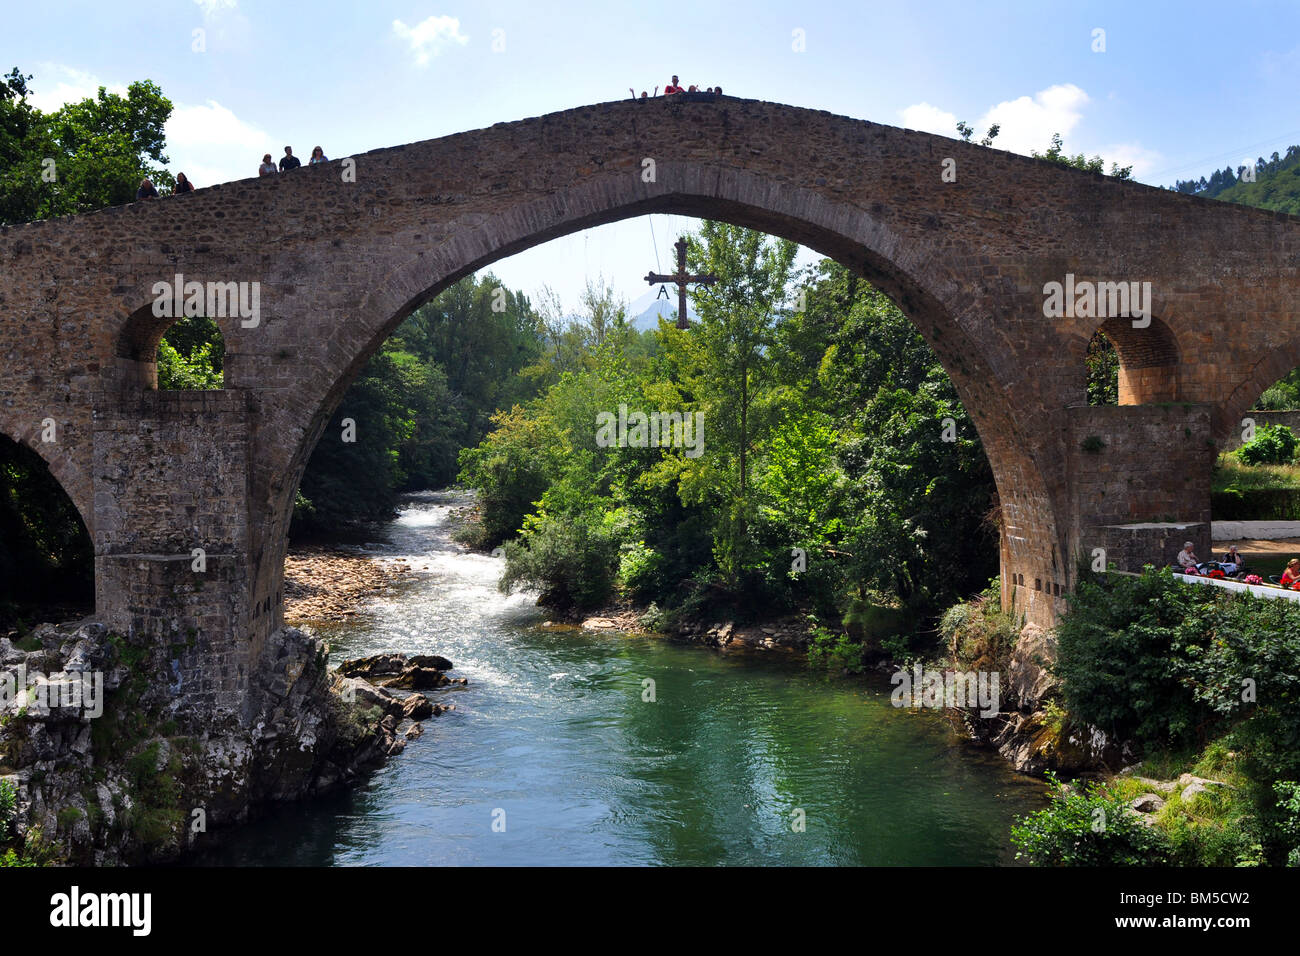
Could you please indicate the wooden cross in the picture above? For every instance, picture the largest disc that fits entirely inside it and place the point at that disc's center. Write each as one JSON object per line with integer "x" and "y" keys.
{"x": 682, "y": 278}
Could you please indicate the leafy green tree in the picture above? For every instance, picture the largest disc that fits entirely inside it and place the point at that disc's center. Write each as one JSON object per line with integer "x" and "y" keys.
{"x": 191, "y": 355}
{"x": 81, "y": 157}
{"x": 724, "y": 366}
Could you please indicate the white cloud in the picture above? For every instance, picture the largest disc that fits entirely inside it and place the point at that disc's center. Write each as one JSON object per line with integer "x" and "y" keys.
{"x": 56, "y": 85}
{"x": 210, "y": 144}
{"x": 430, "y": 37}
{"x": 211, "y": 8}
{"x": 1027, "y": 123}
{"x": 929, "y": 119}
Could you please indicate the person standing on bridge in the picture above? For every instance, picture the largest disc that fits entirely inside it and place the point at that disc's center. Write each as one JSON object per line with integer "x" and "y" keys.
{"x": 673, "y": 87}
{"x": 317, "y": 157}
{"x": 289, "y": 161}
{"x": 146, "y": 190}
{"x": 183, "y": 185}
{"x": 267, "y": 168}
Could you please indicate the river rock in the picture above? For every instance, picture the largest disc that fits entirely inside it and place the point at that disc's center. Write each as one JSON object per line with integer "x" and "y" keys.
{"x": 1030, "y": 679}
{"x": 431, "y": 660}
{"x": 415, "y": 677}
{"x": 413, "y": 731}
{"x": 1148, "y": 803}
{"x": 417, "y": 707}
{"x": 378, "y": 665}
{"x": 368, "y": 695}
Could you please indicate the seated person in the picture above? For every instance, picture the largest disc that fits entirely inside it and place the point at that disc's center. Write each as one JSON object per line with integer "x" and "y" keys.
{"x": 1186, "y": 557}
{"x": 1292, "y": 573}
{"x": 1232, "y": 561}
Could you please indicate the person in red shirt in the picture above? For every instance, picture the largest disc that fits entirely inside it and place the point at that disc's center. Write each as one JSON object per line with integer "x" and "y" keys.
{"x": 1292, "y": 573}
{"x": 673, "y": 87}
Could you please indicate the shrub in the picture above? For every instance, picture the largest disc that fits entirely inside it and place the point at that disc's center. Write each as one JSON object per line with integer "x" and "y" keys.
{"x": 980, "y": 635}
{"x": 570, "y": 562}
{"x": 1115, "y": 643}
{"x": 1272, "y": 445}
{"x": 1088, "y": 827}
{"x": 832, "y": 651}
{"x": 8, "y": 805}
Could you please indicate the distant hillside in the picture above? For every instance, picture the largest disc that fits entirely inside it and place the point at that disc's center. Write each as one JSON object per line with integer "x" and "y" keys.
{"x": 646, "y": 310}
{"x": 1276, "y": 185}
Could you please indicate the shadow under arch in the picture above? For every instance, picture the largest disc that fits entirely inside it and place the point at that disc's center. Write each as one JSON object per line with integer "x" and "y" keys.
{"x": 46, "y": 553}
{"x": 917, "y": 276}
{"x": 1148, "y": 360}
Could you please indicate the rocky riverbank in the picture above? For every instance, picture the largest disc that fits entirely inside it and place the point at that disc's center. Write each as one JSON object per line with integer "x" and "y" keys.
{"x": 788, "y": 633}
{"x": 323, "y": 585}
{"x": 99, "y": 763}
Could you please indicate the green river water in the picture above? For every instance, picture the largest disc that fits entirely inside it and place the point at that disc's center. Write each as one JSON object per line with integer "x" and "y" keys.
{"x": 552, "y": 755}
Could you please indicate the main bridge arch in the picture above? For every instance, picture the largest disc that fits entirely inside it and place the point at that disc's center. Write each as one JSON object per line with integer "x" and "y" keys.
{"x": 916, "y": 277}
{"x": 344, "y": 251}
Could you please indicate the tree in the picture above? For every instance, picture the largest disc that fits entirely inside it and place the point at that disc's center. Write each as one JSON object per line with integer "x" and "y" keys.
{"x": 81, "y": 157}
{"x": 725, "y": 362}
{"x": 967, "y": 131}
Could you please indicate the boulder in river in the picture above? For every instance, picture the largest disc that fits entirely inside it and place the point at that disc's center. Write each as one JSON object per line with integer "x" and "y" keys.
{"x": 377, "y": 665}
{"x": 415, "y": 677}
{"x": 417, "y": 707}
{"x": 435, "y": 661}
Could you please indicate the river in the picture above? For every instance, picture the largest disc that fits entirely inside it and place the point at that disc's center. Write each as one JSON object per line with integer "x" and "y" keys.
{"x": 554, "y": 756}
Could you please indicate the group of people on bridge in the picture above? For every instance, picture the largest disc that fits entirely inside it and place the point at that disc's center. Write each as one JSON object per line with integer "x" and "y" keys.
{"x": 289, "y": 161}
{"x": 148, "y": 190}
{"x": 675, "y": 88}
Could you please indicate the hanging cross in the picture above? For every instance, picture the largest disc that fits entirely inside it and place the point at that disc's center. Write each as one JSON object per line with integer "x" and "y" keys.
{"x": 681, "y": 278}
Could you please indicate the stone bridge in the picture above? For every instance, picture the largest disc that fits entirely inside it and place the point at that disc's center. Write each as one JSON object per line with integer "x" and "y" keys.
{"x": 963, "y": 237}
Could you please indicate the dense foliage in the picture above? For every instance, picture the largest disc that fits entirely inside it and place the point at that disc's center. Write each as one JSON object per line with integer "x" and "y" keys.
{"x": 1167, "y": 665}
{"x": 83, "y": 156}
{"x": 1272, "y": 445}
{"x": 1276, "y": 183}
{"x": 823, "y": 481}
{"x": 430, "y": 390}
{"x": 1088, "y": 827}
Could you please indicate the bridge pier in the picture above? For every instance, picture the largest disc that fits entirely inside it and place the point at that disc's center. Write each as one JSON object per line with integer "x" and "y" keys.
{"x": 171, "y": 535}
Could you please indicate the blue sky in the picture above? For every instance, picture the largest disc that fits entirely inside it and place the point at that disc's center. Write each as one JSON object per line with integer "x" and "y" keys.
{"x": 1179, "y": 90}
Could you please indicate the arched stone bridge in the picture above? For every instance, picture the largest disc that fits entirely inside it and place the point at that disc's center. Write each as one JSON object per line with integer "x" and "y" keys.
{"x": 340, "y": 263}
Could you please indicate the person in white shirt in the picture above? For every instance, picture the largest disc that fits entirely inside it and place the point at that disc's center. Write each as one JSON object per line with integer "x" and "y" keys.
{"x": 1185, "y": 557}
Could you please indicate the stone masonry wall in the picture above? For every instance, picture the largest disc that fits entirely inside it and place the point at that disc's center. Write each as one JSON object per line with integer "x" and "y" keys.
{"x": 1141, "y": 465}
